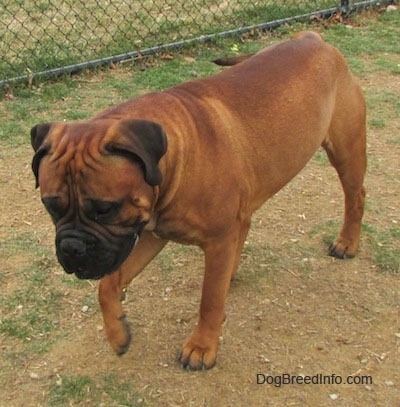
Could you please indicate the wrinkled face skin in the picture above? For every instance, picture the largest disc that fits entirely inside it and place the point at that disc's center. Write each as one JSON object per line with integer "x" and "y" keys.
{"x": 98, "y": 202}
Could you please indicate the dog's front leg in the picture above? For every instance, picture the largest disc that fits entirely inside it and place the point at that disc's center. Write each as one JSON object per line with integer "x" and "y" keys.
{"x": 200, "y": 349}
{"x": 111, "y": 290}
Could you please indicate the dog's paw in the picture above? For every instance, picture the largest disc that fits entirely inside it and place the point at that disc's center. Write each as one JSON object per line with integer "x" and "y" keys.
{"x": 342, "y": 249}
{"x": 198, "y": 354}
{"x": 119, "y": 335}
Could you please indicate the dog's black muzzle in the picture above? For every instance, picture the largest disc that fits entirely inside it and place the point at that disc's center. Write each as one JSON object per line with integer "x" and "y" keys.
{"x": 91, "y": 257}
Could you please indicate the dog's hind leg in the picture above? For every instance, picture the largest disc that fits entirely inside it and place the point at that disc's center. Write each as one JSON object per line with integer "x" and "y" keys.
{"x": 346, "y": 149}
{"x": 111, "y": 290}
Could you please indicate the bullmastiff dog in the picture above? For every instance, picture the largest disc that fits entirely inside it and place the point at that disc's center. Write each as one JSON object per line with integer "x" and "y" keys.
{"x": 191, "y": 164}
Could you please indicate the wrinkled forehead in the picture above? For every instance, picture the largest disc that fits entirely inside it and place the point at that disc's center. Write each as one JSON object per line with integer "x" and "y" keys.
{"x": 68, "y": 147}
{"x": 86, "y": 172}
{"x": 106, "y": 177}
{"x": 68, "y": 141}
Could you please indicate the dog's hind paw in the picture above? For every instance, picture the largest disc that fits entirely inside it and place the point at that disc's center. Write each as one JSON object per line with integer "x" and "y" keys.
{"x": 342, "y": 249}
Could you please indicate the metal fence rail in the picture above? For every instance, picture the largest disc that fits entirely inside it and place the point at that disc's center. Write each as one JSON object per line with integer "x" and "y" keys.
{"x": 39, "y": 38}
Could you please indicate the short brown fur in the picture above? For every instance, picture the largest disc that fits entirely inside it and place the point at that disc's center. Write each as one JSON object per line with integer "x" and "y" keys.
{"x": 234, "y": 140}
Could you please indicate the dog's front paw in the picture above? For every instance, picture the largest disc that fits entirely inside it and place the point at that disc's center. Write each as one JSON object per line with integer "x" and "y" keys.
{"x": 119, "y": 335}
{"x": 198, "y": 353}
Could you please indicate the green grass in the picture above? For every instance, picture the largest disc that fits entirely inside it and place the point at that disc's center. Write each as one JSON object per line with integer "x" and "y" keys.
{"x": 178, "y": 71}
{"x": 73, "y": 389}
{"x": 98, "y": 390}
{"x": 33, "y": 38}
{"x": 384, "y": 102}
{"x": 386, "y": 249}
{"x": 321, "y": 158}
{"x": 328, "y": 231}
{"x": 384, "y": 244}
{"x": 355, "y": 40}
{"x": 30, "y": 313}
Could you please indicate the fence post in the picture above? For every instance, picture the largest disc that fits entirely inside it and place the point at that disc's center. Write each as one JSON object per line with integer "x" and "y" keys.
{"x": 345, "y": 6}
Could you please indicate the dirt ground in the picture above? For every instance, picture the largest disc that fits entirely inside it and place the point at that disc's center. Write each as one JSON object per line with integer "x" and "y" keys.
{"x": 292, "y": 309}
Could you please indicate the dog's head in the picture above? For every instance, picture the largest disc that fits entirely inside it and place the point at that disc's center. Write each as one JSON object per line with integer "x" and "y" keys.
{"x": 99, "y": 182}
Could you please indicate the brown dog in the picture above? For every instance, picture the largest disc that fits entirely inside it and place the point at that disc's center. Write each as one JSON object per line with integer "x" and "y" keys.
{"x": 191, "y": 164}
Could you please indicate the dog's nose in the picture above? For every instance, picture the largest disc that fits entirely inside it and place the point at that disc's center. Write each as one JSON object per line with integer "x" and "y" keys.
{"x": 73, "y": 247}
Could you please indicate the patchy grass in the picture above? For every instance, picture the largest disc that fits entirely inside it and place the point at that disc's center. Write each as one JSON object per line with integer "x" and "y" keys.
{"x": 39, "y": 36}
{"x": 386, "y": 248}
{"x": 84, "y": 390}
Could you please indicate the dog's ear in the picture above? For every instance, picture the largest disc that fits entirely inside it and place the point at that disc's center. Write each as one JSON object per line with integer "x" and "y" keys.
{"x": 38, "y": 136}
{"x": 143, "y": 141}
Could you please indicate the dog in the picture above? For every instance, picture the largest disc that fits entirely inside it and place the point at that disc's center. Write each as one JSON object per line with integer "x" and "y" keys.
{"x": 191, "y": 164}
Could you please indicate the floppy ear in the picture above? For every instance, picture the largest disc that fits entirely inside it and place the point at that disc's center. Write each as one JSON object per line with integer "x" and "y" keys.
{"x": 38, "y": 136}
{"x": 143, "y": 141}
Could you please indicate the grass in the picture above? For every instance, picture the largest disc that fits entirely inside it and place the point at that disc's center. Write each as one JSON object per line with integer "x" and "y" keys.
{"x": 386, "y": 248}
{"x": 103, "y": 390}
{"x": 354, "y": 40}
{"x": 37, "y": 295}
{"x": 385, "y": 105}
{"x": 73, "y": 389}
{"x": 384, "y": 242}
{"x": 30, "y": 311}
{"x": 33, "y": 39}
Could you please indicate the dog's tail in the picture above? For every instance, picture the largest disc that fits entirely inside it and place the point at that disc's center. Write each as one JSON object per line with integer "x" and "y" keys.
{"x": 229, "y": 61}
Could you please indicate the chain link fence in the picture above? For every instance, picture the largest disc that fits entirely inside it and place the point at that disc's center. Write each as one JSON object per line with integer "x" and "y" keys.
{"x": 41, "y": 38}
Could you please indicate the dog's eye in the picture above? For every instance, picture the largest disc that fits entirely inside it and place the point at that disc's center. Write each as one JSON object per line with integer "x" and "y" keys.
{"x": 101, "y": 210}
{"x": 54, "y": 207}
